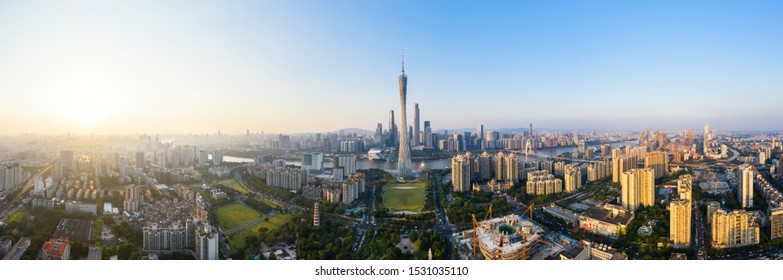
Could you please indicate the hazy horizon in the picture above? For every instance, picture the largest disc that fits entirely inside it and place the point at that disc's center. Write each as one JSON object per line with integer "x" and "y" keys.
{"x": 301, "y": 66}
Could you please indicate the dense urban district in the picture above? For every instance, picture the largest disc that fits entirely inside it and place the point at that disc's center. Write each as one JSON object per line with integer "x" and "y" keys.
{"x": 483, "y": 195}
{"x": 403, "y": 192}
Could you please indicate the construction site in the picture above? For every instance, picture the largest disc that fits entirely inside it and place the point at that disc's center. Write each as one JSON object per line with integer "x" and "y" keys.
{"x": 510, "y": 237}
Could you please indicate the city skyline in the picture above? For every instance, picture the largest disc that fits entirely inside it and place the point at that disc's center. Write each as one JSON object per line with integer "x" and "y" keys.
{"x": 111, "y": 68}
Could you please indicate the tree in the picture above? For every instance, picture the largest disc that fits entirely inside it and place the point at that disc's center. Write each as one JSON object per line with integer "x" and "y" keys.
{"x": 272, "y": 256}
{"x": 413, "y": 236}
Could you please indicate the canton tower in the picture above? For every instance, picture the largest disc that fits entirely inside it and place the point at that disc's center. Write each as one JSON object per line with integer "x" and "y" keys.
{"x": 403, "y": 160}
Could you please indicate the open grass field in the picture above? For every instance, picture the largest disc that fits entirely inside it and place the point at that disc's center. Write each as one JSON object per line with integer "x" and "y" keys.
{"x": 408, "y": 197}
{"x": 18, "y": 217}
{"x": 234, "y": 185}
{"x": 235, "y": 214}
{"x": 237, "y": 240}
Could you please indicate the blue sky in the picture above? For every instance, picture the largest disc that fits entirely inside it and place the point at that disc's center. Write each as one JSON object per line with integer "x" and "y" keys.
{"x": 295, "y": 66}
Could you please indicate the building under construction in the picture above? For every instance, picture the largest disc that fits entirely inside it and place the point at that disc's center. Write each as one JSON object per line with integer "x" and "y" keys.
{"x": 506, "y": 238}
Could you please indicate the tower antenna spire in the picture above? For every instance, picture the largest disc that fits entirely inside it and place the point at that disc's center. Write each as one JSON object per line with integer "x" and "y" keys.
{"x": 403, "y": 60}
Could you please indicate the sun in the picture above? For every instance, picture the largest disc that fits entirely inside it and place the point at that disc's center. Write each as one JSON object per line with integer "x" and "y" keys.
{"x": 85, "y": 100}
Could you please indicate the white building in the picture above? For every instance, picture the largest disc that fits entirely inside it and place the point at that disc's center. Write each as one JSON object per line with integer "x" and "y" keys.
{"x": 745, "y": 188}
{"x": 207, "y": 243}
{"x": 348, "y": 163}
{"x": 217, "y": 157}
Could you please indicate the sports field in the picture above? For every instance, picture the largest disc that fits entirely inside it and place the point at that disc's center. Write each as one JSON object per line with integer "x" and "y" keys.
{"x": 237, "y": 240}
{"x": 235, "y": 214}
{"x": 404, "y": 197}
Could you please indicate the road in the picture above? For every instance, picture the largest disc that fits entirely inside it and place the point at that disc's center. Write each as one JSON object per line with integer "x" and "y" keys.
{"x": 749, "y": 255}
{"x": 442, "y": 225}
{"x": 367, "y": 222}
{"x": 699, "y": 229}
{"x": 7, "y": 205}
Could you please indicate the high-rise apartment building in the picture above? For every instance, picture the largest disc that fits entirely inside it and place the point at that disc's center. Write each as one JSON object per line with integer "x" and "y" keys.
{"x": 658, "y": 161}
{"x": 776, "y": 223}
{"x": 712, "y": 208}
{"x": 66, "y": 158}
{"x": 638, "y": 188}
{"x": 461, "y": 171}
{"x": 622, "y": 162}
{"x": 680, "y": 222}
{"x": 348, "y": 163}
{"x": 217, "y": 157}
{"x": 507, "y": 167}
{"x": 745, "y": 189}
{"x": 734, "y": 229}
{"x": 573, "y": 178}
{"x": 485, "y": 166}
{"x": 685, "y": 187}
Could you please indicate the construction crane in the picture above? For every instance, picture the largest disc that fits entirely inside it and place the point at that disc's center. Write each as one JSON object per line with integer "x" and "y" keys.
{"x": 475, "y": 234}
{"x": 524, "y": 244}
{"x": 529, "y": 210}
{"x": 524, "y": 235}
{"x": 489, "y": 212}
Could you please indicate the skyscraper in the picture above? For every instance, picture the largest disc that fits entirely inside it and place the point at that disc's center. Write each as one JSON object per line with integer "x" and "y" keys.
{"x": 690, "y": 137}
{"x": 427, "y": 135}
{"x": 140, "y": 161}
{"x": 378, "y": 139}
{"x": 403, "y": 160}
{"x": 531, "y": 129}
{"x": 680, "y": 222}
{"x": 392, "y": 139}
{"x": 745, "y": 190}
{"x": 706, "y": 144}
{"x": 416, "y": 131}
{"x": 66, "y": 158}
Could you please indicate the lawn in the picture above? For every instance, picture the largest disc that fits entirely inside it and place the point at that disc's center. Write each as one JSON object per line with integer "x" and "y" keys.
{"x": 405, "y": 196}
{"x": 18, "y": 217}
{"x": 234, "y": 185}
{"x": 235, "y": 214}
{"x": 237, "y": 240}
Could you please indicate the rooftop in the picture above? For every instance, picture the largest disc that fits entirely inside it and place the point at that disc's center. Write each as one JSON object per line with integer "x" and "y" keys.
{"x": 609, "y": 214}
{"x": 74, "y": 229}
